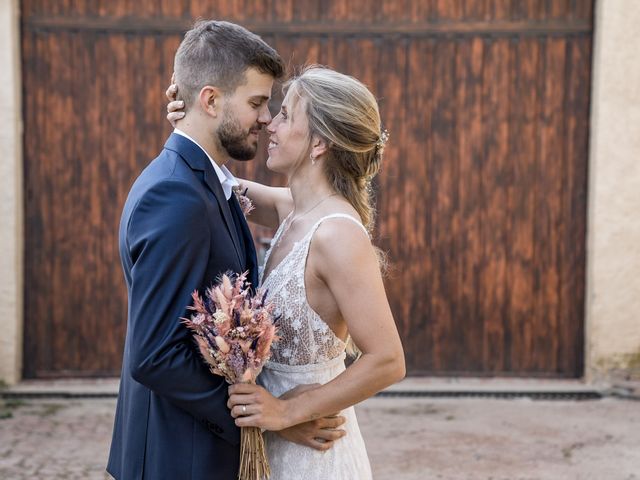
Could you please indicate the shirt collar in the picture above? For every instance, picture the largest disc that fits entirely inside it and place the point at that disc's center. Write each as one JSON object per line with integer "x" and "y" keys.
{"x": 227, "y": 180}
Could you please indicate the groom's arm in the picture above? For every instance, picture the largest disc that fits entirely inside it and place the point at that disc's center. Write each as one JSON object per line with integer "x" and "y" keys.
{"x": 168, "y": 239}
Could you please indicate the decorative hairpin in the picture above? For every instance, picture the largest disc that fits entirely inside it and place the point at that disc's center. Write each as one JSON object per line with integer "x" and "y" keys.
{"x": 382, "y": 141}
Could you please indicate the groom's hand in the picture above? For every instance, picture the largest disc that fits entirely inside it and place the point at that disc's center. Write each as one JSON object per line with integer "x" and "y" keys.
{"x": 319, "y": 434}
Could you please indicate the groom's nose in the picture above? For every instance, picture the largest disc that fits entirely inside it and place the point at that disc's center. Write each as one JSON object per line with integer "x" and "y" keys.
{"x": 265, "y": 116}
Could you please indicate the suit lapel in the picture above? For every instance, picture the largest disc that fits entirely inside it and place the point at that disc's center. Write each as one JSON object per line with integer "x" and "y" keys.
{"x": 212, "y": 181}
{"x": 198, "y": 160}
{"x": 250, "y": 257}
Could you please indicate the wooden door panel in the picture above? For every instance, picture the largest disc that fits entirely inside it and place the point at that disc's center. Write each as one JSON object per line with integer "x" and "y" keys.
{"x": 481, "y": 200}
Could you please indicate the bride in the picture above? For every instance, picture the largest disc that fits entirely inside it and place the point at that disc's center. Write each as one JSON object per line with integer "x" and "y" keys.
{"x": 323, "y": 274}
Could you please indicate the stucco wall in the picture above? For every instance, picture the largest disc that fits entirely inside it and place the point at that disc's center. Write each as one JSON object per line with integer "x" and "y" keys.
{"x": 11, "y": 237}
{"x": 613, "y": 278}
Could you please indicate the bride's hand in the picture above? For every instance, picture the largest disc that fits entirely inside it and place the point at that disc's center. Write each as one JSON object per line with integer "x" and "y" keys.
{"x": 253, "y": 406}
{"x": 175, "y": 107}
{"x": 265, "y": 411}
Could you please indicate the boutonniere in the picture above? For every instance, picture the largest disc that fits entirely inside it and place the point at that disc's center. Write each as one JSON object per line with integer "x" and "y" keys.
{"x": 246, "y": 205}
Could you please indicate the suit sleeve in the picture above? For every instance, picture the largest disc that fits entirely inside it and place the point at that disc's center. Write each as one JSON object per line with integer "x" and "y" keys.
{"x": 169, "y": 243}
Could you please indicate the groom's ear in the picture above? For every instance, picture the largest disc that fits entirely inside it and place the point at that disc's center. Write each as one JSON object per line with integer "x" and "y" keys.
{"x": 210, "y": 100}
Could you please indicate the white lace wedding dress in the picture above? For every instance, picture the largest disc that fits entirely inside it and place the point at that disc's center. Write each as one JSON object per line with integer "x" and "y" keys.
{"x": 308, "y": 352}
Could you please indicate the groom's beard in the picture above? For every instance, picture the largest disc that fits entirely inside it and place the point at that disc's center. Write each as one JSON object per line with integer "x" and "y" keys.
{"x": 235, "y": 140}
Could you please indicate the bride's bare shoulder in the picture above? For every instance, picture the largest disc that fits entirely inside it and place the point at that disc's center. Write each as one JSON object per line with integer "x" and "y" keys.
{"x": 340, "y": 239}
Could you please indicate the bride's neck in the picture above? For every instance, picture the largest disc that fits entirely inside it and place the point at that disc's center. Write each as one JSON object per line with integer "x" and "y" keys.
{"x": 308, "y": 188}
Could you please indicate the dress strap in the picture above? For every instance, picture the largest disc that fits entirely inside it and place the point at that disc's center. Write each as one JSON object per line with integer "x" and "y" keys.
{"x": 281, "y": 228}
{"x": 276, "y": 238}
{"x": 333, "y": 215}
{"x": 337, "y": 215}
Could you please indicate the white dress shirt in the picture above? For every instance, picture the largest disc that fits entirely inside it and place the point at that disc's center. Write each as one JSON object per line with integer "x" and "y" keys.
{"x": 227, "y": 180}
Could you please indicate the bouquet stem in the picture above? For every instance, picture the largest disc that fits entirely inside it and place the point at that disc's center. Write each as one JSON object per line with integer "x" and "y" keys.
{"x": 253, "y": 457}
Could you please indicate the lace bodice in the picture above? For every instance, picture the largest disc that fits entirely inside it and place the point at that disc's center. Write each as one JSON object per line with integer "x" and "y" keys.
{"x": 304, "y": 337}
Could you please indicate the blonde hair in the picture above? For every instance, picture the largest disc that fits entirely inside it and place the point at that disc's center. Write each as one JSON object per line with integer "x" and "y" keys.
{"x": 344, "y": 113}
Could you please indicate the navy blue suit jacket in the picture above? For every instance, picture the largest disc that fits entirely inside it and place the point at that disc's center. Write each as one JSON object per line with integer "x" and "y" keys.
{"x": 177, "y": 234}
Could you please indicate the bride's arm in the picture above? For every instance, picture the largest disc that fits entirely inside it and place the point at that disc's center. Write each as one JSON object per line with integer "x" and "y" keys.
{"x": 350, "y": 270}
{"x": 272, "y": 204}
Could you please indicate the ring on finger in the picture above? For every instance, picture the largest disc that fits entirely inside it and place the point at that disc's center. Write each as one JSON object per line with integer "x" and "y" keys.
{"x": 244, "y": 409}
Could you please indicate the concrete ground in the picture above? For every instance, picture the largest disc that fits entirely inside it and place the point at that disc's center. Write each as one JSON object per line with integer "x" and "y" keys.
{"x": 408, "y": 438}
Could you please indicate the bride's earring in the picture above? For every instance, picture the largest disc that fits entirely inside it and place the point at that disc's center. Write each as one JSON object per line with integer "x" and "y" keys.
{"x": 313, "y": 159}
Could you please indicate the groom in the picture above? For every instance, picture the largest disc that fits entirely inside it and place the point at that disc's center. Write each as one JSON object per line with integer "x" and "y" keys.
{"x": 181, "y": 227}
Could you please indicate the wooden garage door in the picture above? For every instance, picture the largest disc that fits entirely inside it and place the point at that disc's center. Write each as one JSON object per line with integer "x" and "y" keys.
{"x": 482, "y": 199}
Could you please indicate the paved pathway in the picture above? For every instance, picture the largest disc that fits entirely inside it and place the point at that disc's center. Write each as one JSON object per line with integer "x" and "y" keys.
{"x": 488, "y": 439}
{"x": 55, "y": 439}
{"x": 407, "y": 439}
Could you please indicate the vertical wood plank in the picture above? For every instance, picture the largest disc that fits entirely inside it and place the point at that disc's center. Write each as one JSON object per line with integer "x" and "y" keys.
{"x": 549, "y": 190}
{"x": 572, "y": 266}
{"x": 521, "y": 200}
{"x": 470, "y": 138}
{"x": 399, "y": 212}
{"x": 443, "y": 202}
{"x": 495, "y": 176}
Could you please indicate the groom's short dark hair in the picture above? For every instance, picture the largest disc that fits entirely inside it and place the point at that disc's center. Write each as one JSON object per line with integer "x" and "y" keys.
{"x": 218, "y": 53}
